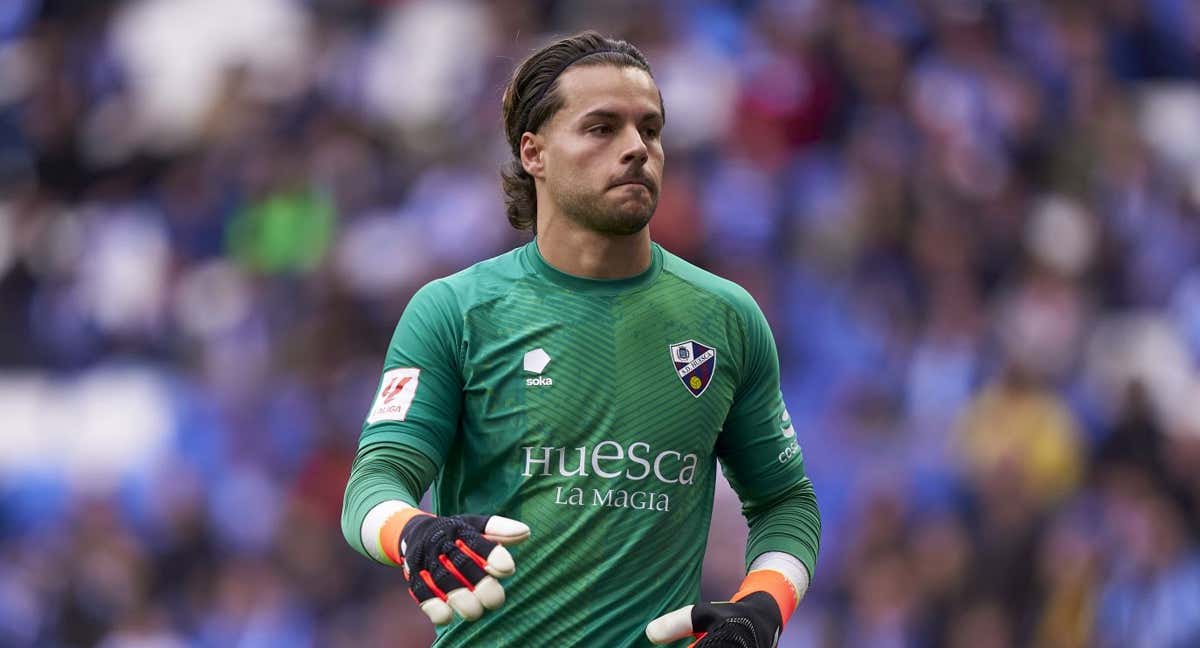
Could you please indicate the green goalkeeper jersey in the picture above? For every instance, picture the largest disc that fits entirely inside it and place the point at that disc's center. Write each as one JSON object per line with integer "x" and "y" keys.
{"x": 595, "y": 412}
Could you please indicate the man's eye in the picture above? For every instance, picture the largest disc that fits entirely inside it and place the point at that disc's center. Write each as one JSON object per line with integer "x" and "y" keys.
{"x": 652, "y": 133}
{"x": 602, "y": 129}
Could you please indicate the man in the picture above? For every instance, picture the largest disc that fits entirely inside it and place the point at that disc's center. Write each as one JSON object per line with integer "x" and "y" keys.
{"x": 582, "y": 384}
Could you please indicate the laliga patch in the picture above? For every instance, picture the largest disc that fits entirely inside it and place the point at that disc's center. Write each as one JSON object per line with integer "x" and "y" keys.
{"x": 695, "y": 365}
{"x": 396, "y": 394}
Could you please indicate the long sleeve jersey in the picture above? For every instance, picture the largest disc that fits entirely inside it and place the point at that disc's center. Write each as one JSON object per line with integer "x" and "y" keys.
{"x": 597, "y": 412}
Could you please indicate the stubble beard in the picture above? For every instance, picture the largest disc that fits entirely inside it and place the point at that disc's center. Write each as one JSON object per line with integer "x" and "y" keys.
{"x": 599, "y": 213}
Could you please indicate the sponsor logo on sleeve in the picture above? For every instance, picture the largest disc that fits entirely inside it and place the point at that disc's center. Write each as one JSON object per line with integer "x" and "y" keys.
{"x": 785, "y": 424}
{"x": 789, "y": 433}
{"x": 396, "y": 393}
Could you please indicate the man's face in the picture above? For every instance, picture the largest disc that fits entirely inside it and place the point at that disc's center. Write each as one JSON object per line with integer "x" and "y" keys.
{"x": 601, "y": 153}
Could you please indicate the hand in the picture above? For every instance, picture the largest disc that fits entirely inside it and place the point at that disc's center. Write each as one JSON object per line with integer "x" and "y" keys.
{"x": 753, "y": 621}
{"x": 452, "y": 563}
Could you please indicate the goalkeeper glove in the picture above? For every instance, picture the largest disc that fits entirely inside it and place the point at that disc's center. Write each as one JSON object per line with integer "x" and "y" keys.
{"x": 452, "y": 563}
{"x": 753, "y": 618}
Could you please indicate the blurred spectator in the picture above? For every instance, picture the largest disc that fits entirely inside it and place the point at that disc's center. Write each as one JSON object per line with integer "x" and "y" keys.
{"x": 1153, "y": 595}
{"x": 1019, "y": 433}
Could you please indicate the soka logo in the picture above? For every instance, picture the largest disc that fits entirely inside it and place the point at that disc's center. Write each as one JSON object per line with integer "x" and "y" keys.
{"x": 535, "y": 362}
{"x": 396, "y": 393}
{"x": 695, "y": 365}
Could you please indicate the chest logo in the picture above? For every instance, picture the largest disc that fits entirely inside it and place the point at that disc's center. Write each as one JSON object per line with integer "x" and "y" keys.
{"x": 535, "y": 362}
{"x": 695, "y": 365}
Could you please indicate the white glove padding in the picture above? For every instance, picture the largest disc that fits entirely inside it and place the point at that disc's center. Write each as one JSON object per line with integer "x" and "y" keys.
{"x": 452, "y": 563}
{"x": 750, "y": 622}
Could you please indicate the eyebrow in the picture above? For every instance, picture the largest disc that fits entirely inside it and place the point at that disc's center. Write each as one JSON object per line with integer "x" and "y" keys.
{"x": 615, "y": 116}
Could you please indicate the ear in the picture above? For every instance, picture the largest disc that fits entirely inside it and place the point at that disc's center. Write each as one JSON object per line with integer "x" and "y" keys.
{"x": 532, "y": 155}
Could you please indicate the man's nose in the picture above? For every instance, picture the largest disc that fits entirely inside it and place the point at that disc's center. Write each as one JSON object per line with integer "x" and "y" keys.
{"x": 635, "y": 149}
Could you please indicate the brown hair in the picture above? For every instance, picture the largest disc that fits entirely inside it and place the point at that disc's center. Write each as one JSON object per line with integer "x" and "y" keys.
{"x": 532, "y": 98}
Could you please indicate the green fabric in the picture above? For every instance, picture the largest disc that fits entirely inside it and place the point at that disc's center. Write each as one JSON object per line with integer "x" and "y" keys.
{"x": 606, "y": 454}
{"x": 383, "y": 471}
{"x": 788, "y": 522}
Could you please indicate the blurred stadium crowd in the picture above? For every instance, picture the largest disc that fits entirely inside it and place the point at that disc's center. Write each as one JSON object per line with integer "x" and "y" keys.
{"x": 974, "y": 226}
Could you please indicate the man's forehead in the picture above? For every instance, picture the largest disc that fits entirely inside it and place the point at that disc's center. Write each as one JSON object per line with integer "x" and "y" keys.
{"x": 592, "y": 87}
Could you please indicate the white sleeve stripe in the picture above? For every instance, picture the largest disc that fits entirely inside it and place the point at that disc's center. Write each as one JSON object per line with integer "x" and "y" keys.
{"x": 373, "y": 524}
{"x": 786, "y": 564}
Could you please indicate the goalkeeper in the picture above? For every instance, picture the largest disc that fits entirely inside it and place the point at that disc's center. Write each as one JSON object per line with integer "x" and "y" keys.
{"x": 569, "y": 402}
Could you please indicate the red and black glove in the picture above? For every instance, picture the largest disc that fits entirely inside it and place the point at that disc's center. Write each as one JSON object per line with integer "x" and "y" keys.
{"x": 452, "y": 563}
{"x": 752, "y": 618}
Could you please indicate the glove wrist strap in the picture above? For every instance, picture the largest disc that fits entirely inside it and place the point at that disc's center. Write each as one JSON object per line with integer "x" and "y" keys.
{"x": 389, "y": 533}
{"x": 381, "y": 530}
{"x": 773, "y": 583}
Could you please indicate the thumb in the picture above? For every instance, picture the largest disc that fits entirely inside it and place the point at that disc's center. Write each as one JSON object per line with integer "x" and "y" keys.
{"x": 505, "y": 531}
{"x": 671, "y": 626}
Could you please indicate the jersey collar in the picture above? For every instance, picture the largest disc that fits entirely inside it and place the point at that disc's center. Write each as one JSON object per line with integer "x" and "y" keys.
{"x": 589, "y": 285}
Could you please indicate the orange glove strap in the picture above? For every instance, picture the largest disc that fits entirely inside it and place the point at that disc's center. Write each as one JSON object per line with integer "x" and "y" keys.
{"x": 389, "y": 533}
{"x": 773, "y": 583}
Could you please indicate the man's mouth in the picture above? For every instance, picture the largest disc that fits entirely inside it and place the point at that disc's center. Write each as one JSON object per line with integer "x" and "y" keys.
{"x": 636, "y": 182}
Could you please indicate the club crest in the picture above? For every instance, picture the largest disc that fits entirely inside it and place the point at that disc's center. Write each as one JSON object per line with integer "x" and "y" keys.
{"x": 695, "y": 365}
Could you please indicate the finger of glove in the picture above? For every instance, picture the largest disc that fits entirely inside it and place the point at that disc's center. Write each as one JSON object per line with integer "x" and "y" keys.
{"x": 447, "y": 581}
{"x": 671, "y": 626}
{"x": 706, "y": 616}
{"x": 450, "y": 595}
{"x": 465, "y": 603}
{"x": 490, "y": 592}
{"x": 423, "y": 589}
{"x": 437, "y": 610}
{"x": 460, "y": 562}
{"x": 492, "y": 557}
{"x": 504, "y": 530}
{"x": 473, "y": 547}
{"x": 498, "y": 528}
{"x": 500, "y": 563}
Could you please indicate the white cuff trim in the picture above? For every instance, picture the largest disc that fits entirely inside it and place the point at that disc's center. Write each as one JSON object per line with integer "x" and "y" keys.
{"x": 786, "y": 564}
{"x": 373, "y": 523}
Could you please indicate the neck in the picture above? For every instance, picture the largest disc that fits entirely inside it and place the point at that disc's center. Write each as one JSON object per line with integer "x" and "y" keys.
{"x": 585, "y": 253}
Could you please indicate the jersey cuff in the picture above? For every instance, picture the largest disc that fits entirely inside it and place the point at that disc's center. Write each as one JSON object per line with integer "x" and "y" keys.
{"x": 373, "y": 530}
{"x": 792, "y": 571}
